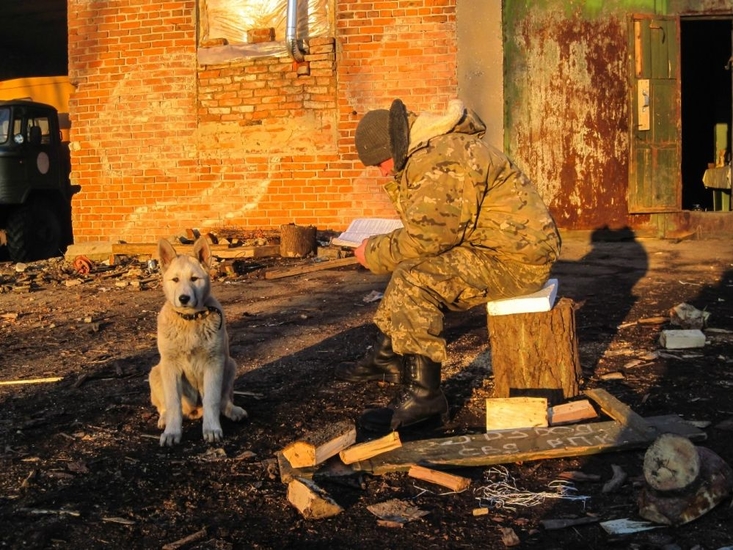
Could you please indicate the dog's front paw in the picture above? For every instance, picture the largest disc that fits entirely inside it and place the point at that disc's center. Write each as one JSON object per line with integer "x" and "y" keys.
{"x": 236, "y": 413}
{"x": 213, "y": 435}
{"x": 168, "y": 439}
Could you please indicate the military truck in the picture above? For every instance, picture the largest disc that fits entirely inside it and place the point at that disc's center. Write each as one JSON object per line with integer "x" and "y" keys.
{"x": 35, "y": 190}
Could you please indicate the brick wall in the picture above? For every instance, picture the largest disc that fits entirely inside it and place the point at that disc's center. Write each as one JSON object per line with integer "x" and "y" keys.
{"x": 161, "y": 144}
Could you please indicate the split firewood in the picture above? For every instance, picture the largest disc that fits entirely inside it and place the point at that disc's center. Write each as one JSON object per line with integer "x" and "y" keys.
{"x": 616, "y": 481}
{"x": 682, "y": 485}
{"x": 569, "y": 413}
{"x": 369, "y": 449}
{"x": 515, "y": 412}
{"x": 310, "y": 500}
{"x": 452, "y": 482}
{"x": 320, "y": 446}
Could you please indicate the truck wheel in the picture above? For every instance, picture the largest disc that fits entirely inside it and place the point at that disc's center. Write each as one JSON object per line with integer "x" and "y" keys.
{"x": 34, "y": 233}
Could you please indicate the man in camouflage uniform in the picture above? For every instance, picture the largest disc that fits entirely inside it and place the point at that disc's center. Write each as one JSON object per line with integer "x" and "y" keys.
{"x": 474, "y": 229}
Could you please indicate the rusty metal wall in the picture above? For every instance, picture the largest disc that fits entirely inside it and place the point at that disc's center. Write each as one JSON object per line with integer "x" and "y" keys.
{"x": 568, "y": 106}
{"x": 567, "y": 93}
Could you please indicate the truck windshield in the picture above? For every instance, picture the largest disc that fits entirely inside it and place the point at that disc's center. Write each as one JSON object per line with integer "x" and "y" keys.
{"x": 4, "y": 123}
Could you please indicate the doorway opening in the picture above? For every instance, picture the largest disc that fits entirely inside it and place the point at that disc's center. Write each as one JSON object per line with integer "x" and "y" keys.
{"x": 707, "y": 114}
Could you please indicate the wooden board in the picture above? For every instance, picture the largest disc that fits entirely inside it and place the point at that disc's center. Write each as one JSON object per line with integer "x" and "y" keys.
{"x": 97, "y": 251}
{"x": 507, "y": 446}
{"x": 280, "y": 273}
{"x": 621, "y": 412}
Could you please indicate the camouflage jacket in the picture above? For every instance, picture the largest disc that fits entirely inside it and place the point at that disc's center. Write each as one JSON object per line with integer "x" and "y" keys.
{"x": 456, "y": 190}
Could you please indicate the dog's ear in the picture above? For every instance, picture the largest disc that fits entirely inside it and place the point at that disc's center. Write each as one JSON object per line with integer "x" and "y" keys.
{"x": 201, "y": 251}
{"x": 166, "y": 253}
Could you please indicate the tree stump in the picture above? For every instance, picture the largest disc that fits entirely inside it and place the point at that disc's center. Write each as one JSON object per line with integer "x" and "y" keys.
{"x": 536, "y": 354}
{"x": 297, "y": 241}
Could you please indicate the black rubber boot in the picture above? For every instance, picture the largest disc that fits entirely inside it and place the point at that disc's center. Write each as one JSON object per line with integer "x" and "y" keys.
{"x": 379, "y": 363}
{"x": 421, "y": 399}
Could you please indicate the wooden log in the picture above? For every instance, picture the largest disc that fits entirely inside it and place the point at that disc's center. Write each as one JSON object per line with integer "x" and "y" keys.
{"x": 317, "y": 447}
{"x": 369, "y": 449}
{"x": 311, "y": 500}
{"x": 297, "y": 241}
{"x": 452, "y": 482}
{"x": 536, "y": 354}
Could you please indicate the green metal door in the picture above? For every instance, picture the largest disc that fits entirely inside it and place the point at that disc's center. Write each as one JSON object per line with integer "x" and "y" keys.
{"x": 655, "y": 179}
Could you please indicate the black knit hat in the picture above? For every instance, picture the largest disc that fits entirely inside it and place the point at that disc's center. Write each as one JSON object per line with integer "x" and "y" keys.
{"x": 372, "y": 138}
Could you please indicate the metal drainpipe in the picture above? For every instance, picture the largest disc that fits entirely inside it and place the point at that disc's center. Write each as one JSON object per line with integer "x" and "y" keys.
{"x": 291, "y": 32}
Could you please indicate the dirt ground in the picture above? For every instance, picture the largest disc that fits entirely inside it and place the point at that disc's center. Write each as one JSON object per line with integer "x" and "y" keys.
{"x": 81, "y": 466}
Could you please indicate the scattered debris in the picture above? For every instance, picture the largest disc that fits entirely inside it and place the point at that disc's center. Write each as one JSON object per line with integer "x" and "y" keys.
{"x": 501, "y": 491}
{"x": 616, "y": 481}
{"x": 509, "y": 537}
{"x": 554, "y": 524}
{"x": 579, "y": 476}
{"x": 309, "y": 268}
{"x": 373, "y": 296}
{"x": 194, "y": 537}
{"x": 626, "y": 526}
{"x": 688, "y": 317}
{"x": 121, "y": 521}
{"x": 397, "y": 511}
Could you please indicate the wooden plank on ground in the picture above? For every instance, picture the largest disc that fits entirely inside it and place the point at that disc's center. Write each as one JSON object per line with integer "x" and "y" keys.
{"x": 100, "y": 251}
{"x": 507, "y": 446}
{"x": 329, "y": 264}
{"x": 621, "y": 412}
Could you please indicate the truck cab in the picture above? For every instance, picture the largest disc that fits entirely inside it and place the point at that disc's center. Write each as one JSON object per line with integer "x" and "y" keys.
{"x": 35, "y": 190}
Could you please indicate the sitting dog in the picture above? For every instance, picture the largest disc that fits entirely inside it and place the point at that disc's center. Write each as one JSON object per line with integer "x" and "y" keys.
{"x": 195, "y": 375}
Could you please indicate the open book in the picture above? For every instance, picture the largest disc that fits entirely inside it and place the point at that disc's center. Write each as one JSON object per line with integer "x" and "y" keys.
{"x": 363, "y": 228}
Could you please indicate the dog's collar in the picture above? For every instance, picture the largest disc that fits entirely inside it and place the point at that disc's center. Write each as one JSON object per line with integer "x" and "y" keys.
{"x": 203, "y": 313}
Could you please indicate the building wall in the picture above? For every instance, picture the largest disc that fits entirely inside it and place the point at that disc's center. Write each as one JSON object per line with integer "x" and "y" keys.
{"x": 161, "y": 143}
{"x": 481, "y": 63}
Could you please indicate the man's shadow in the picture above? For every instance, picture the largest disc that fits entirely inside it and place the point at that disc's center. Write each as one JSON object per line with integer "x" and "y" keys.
{"x": 602, "y": 283}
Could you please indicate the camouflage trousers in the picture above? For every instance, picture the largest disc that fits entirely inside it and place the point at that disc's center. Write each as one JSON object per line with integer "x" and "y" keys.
{"x": 421, "y": 290}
